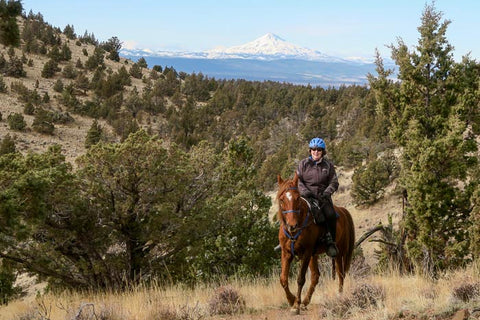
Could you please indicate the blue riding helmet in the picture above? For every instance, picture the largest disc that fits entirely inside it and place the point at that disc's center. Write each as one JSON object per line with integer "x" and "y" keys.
{"x": 317, "y": 143}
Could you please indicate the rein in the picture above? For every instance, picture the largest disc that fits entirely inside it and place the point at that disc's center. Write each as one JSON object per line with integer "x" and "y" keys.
{"x": 293, "y": 238}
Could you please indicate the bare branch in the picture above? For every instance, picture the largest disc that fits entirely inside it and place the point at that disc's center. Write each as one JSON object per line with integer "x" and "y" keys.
{"x": 369, "y": 233}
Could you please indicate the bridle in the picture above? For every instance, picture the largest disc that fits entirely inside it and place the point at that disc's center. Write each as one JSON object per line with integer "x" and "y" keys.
{"x": 294, "y": 237}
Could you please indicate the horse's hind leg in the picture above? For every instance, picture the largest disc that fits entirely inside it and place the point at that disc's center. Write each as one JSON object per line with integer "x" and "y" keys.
{"x": 340, "y": 262}
{"x": 333, "y": 268}
{"x": 315, "y": 275}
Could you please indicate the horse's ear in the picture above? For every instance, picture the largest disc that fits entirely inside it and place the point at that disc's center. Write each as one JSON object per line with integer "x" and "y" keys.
{"x": 295, "y": 179}
{"x": 280, "y": 180}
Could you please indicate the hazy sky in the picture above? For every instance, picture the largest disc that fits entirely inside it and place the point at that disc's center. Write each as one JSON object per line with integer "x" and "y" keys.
{"x": 344, "y": 28}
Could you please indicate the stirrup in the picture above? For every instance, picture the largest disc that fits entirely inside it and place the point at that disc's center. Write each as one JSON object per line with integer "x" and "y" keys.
{"x": 332, "y": 250}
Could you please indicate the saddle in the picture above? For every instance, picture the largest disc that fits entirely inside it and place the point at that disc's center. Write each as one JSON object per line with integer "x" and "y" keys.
{"x": 315, "y": 208}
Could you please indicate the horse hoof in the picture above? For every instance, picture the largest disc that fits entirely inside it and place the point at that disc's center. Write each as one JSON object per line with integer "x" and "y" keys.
{"x": 295, "y": 311}
{"x": 303, "y": 307}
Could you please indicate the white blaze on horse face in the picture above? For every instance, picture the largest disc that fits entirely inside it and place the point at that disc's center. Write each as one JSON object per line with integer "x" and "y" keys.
{"x": 289, "y": 196}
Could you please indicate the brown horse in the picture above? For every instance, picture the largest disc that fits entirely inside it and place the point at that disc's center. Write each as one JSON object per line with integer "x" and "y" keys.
{"x": 299, "y": 235}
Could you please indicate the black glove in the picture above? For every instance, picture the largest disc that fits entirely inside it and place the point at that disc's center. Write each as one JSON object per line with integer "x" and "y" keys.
{"x": 325, "y": 197}
{"x": 307, "y": 194}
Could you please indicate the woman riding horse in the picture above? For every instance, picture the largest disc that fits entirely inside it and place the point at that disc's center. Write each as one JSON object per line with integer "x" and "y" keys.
{"x": 299, "y": 237}
{"x": 317, "y": 181}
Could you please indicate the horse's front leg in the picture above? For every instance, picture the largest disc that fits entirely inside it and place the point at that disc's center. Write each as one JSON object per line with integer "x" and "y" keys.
{"x": 286, "y": 262}
{"x": 301, "y": 282}
{"x": 315, "y": 275}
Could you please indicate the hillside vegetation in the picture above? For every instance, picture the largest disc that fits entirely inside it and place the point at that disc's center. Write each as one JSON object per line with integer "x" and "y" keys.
{"x": 115, "y": 174}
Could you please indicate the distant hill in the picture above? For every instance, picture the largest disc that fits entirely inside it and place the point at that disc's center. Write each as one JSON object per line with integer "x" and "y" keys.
{"x": 299, "y": 72}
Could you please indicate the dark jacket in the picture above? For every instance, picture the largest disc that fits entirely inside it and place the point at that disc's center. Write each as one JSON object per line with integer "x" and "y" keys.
{"x": 316, "y": 178}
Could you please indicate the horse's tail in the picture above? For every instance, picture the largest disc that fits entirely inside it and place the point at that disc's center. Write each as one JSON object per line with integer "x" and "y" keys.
{"x": 351, "y": 241}
{"x": 333, "y": 268}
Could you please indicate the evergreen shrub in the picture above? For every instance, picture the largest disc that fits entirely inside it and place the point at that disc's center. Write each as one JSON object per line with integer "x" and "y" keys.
{"x": 7, "y": 146}
{"x": 50, "y": 68}
{"x": 16, "y": 121}
{"x": 43, "y": 122}
{"x": 3, "y": 86}
{"x": 371, "y": 179}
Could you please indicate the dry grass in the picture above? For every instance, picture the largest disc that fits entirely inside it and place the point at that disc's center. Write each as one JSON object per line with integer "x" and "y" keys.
{"x": 389, "y": 296}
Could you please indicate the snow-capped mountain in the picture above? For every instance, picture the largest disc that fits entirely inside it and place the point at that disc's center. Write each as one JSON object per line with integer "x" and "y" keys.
{"x": 267, "y": 47}
{"x": 270, "y": 47}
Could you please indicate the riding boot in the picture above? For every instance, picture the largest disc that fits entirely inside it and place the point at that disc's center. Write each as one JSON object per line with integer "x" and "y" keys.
{"x": 331, "y": 224}
{"x": 330, "y": 237}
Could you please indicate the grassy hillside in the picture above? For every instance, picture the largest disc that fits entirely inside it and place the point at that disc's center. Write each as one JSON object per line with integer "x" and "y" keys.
{"x": 70, "y": 136}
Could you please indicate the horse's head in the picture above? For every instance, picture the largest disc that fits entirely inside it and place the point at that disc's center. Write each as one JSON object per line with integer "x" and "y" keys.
{"x": 289, "y": 199}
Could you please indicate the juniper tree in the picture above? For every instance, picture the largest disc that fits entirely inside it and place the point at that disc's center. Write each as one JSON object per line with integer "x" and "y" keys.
{"x": 136, "y": 71}
{"x": 9, "y": 31}
{"x": 150, "y": 201}
{"x": 369, "y": 182}
{"x": 16, "y": 121}
{"x": 112, "y": 46}
{"x": 69, "y": 31}
{"x": 3, "y": 86}
{"x": 82, "y": 82}
{"x": 425, "y": 112}
{"x": 7, "y": 145}
{"x": 50, "y": 68}
{"x": 38, "y": 205}
{"x": 43, "y": 122}
{"x": 142, "y": 63}
{"x": 94, "y": 134}
{"x": 66, "y": 53}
